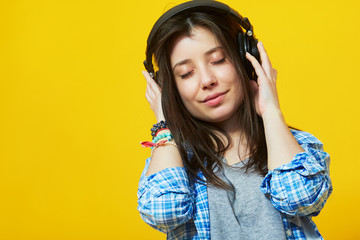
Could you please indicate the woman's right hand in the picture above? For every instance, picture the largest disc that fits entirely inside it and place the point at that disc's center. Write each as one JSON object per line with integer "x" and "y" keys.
{"x": 153, "y": 96}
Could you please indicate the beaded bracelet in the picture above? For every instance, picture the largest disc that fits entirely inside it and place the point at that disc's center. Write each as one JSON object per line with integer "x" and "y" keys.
{"x": 158, "y": 126}
{"x": 167, "y": 135}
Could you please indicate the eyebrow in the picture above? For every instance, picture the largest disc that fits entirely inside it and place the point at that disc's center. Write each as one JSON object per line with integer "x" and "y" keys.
{"x": 188, "y": 60}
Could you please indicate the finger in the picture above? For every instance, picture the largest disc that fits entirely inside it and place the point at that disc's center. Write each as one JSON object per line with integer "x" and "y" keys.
{"x": 265, "y": 61}
{"x": 148, "y": 79}
{"x": 263, "y": 53}
{"x": 255, "y": 89}
{"x": 148, "y": 98}
{"x": 274, "y": 74}
{"x": 147, "y": 76}
{"x": 257, "y": 67}
{"x": 151, "y": 82}
{"x": 150, "y": 92}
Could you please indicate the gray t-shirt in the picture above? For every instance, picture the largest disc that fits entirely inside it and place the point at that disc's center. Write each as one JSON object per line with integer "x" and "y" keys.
{"x": 245, "y": 212}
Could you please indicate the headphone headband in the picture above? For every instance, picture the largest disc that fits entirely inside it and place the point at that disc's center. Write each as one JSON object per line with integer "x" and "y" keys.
{"x": 202, "y": 5}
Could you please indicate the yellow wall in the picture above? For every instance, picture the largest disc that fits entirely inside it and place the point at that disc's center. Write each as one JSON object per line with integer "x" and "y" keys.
{"x": 73, "y": 109}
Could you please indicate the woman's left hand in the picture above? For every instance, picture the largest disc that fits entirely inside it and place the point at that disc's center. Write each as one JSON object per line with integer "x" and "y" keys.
{"x": 265, "y": 92}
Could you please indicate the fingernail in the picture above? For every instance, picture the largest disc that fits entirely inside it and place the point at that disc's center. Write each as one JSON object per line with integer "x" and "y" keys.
{"x": 261, "y": 43}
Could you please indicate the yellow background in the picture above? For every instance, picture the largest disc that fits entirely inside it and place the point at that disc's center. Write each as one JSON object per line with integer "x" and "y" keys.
{"x": 73, "y": 109}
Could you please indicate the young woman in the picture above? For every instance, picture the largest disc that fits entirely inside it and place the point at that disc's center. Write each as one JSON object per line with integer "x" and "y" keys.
{"x": 224, "y": 164}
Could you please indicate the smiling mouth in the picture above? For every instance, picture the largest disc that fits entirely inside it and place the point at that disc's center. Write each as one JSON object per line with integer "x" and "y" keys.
{"x": 215, "y": 99}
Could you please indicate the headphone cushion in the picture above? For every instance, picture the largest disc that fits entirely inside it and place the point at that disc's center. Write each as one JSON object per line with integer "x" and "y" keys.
{"x": 244, "y": 46}
{"x": 241, "y": 46}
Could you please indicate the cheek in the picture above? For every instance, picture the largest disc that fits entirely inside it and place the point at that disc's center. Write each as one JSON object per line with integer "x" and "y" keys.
{"x": 187, "y": 91}
{"x": 239, "y": 94}
{"x": 227, "y": 74}
{"x": 231, "y": 78}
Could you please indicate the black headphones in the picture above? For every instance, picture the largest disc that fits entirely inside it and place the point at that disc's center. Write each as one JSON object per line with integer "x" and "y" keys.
{"x": 246, "y": 40}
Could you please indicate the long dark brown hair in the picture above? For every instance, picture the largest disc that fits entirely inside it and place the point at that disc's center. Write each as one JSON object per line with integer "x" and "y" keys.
{"x": 191, "y": 134}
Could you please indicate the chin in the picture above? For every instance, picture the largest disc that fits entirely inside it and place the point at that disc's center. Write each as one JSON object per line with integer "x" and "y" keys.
{"x": 217, "y": 117}
{"x": 217, "y": 120}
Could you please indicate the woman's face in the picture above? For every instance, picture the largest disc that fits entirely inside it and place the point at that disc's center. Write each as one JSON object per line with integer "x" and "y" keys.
{"x": 207, "y": 81}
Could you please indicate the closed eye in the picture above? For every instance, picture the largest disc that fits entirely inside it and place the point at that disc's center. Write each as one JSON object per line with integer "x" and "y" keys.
{"x": 186, "y": 75}
{"x": 220, "y": 61}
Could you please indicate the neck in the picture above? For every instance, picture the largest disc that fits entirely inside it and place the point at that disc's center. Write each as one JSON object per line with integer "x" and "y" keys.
{"x": 238, "y": 149}
{"x": 232, "y": 127}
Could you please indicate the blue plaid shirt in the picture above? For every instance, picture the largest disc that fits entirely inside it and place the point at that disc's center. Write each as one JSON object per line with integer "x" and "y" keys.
{"x": 170, "y": 203}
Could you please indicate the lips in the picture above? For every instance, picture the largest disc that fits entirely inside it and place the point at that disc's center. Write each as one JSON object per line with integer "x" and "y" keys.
{"x": 214, "y": 95}
{"x": 214, "y": 99}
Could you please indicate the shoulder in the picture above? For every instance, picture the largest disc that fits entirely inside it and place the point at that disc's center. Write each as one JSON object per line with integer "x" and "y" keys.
{"x": 303, "y": 137}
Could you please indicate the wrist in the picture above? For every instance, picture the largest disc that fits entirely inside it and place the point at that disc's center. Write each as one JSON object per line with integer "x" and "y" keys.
{"x": 159, "y": 117}
{"x": 272, "y": 115}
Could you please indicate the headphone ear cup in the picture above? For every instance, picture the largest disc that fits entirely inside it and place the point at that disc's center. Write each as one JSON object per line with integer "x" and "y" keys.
{"x": 253, "y": 50}
{"x": 244, "y": 46}
{"x": 248, "y": 44}
{"x": 241, "y": 46}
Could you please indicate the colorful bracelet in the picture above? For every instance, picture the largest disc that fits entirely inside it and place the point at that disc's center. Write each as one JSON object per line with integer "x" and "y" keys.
{"x": 160, "y": 131}
{"x": 167, "y": 135}
{"x": 158, "y": 126}
{"x": 163, "y": 144}
{"x": 158, "y": 140}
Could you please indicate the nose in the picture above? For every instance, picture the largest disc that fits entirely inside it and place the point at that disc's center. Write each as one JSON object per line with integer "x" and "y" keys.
{"x": 208, "y": 79}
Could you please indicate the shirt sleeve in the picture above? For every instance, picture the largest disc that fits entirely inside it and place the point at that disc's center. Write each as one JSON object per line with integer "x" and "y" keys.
{"x": 301, "y": 187}
{"x": 165, "y": 199}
